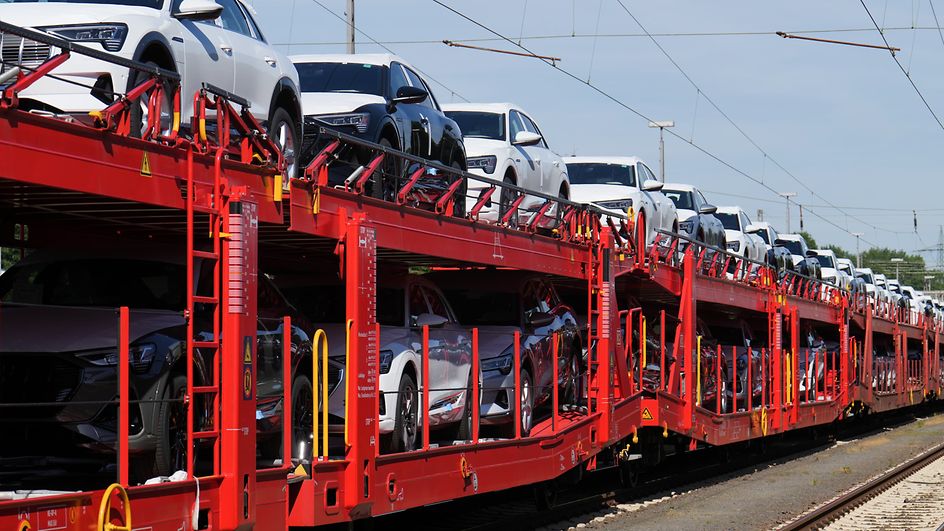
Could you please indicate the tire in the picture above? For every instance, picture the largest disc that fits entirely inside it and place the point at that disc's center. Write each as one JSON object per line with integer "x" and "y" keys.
{"x": 302, "y": 416}
{"x": 459, "y": 199}
{"x": 507, "y": 196}
{"x": 170, "y": 454}
{"x": 721, "y": 394}
{"x": 404, "y": 437}
{"x": 138, "y": 110}
{"x": 526, "y": 406}
{"x": 284, "y": 132}
{"x": 640, "y": 234}
{"x": 384, "y": 183}
{"x": 570, "y": 390}
{"x": 464, "y": 427}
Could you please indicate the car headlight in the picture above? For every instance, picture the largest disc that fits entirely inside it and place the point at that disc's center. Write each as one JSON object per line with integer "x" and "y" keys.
{"x": 616, "y": 204}
{"x": 111, "y": 36}
{"x": 386, "y": 359}
{"x": 140, "y": 356}
{"x": 358, "y": 120}
{"x": 502, "y": 363}
{"x": 687, "y": 225}
{"x": 486, "y": 164}
{"x": 734, "y": 246}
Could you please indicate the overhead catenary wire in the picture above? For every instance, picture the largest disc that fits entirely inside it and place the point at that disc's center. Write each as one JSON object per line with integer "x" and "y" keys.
{"x": 638, "y": 113}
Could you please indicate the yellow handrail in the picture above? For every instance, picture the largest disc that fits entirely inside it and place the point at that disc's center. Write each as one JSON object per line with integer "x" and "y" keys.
{"x": 698, "y": 371}
{"x": 347, "y": 376}
{"x": 321, "y": 338}
{"x": 104, "y": 513}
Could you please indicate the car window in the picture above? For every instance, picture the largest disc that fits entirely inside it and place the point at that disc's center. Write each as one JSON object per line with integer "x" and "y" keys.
{"x": 701, "y": 198}
{"x": 256, "y": 32}
{"x": 232, "y": 18}
{"x": 418, "y": 83}
{"x": 476, "y": 124}
{"x": 728, "y": 221}
{"x": 417, "y": 304}
{"x": 397, "y": 79}
{"x": 532, "y": 127}
{"x": 601, "y": 173}
{"x": 745, "y": 221}
{"x": 349, "y": 78}
{"x": 390, "y": 305}
{"x": 436, "y": 303}
{"x": 517, "y": 125}
{"x": 682, "y": 200}
{"x": 538, "y": 297}
{"x": 647, "y": 174}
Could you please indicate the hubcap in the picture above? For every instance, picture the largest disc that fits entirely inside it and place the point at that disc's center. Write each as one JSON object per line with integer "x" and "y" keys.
{"x": 177, "y": 432}
{"x": 285, "y": 138}
{"x": 526, "y": 400}
{"x": 408, "y": 416}
{"x": 302, "y": 418}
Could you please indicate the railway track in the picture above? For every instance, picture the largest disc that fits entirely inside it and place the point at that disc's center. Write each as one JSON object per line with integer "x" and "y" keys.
{"x": 856, "y": 503}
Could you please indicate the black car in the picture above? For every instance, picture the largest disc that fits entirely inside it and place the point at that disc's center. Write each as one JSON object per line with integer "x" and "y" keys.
{"x": 381, "y": 99}
{"x": 696, "y": 215}
{"x": 499, "y": 303}
{"x": 59, "y": 359}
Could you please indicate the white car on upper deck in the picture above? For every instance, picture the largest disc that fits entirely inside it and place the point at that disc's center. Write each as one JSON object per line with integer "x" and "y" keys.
{"x": 504, "y": 143}
{"x": 205, "y": 41}
{"x": 741, "y": 234}
{"x": 623, "y": 185}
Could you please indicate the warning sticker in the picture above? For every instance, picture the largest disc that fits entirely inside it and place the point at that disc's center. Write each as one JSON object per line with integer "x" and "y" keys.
{"x": 247, "y": 349}
{"x": 145, "y": 165}
{"x": 646, "y": 415}
{"x": 247, "y": 383}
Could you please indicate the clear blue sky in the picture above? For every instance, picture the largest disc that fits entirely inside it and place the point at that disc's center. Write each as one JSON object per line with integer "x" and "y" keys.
{"x": 843, "y": 120}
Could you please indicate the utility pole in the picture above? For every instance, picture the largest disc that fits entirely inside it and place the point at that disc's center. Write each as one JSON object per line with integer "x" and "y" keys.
{"x": 350, "y": 26}
{"x": 662, "y": 125}
{"x": 787, "y": 196}
{"x": 897, "y": 261}
{"x": 858, "y": 254}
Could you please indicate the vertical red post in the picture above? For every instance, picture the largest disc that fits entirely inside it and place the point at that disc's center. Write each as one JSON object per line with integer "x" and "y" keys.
{"x": 517, "y": 361}
{"x": 642, "y": 349}
{"x": 124, "y": 364}
{"x": 718, "y": 389}
{"x": 749, "y": 388}
{"x": 474, "y": 400}
{"x": 763, "y": 380}
{"x": 662, "y": 350}
{"x": 555, "y": 395}
{"x": 287, "y": 428}
{"x": 426, "y": 386}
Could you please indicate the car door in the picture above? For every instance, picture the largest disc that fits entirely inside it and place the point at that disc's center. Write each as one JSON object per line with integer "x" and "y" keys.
{"x": 396, "y": 78}
{"x": 530, "y": 170}
{"x": 453, "y": 341}
{"x": 648, "y": 205}
{"x": 410, "y": 116}
{"x": 537, "y": 297}
{"x": 551, "y": 163}
{"x": 208, "y": 57}
{"x": 431, "y": 120}
{"x": 257, "y": 67}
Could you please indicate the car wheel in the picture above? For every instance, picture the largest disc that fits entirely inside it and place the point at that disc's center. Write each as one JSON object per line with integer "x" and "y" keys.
{"x": 405, "y": 426}
{"x": 139, "y": 109}
{"x": 526, "y": 405}
{"x": 284, "y": 132}
{"x": 384, "y": 183}
{"x": 640, "y": 235}
{"x": 170, "y": 455}
{"x": 507, "y": 198}
{"x": 459, "y": 199}
{"x": 464, "y": 428}
{"x": 571, "y": 387}
{"x": 302, "y": 417}
{"x": 721, "y": 394}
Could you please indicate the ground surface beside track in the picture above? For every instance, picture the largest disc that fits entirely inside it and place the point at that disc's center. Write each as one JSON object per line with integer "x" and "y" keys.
{"x": 772, "y": 494}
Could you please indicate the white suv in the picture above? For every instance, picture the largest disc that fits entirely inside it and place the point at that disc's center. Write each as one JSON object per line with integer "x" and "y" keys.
{"x": 502, "y": 142}
{"x": 741, "y": 234}
{"x": 206, "y": 41}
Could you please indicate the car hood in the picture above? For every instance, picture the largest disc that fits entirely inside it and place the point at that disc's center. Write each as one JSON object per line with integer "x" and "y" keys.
{"x": 33, "y": 14}
{"x": 493, "y": 340}
{"x": 389, "y": 335}
{"x": 315, "y": 103}
{"x": 732, "y": 235}
{"x": 478, "y": 147}
{"x": 67, "y": 329}
{"x": 589, "y": 193}
{"x": 685, "y": 214}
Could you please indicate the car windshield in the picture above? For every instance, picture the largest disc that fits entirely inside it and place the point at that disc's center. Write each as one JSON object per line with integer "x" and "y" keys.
{"x": 793, "y": 246}
{"x": 156, "y": 4}
{"x": 475, "y": 124}
{"x": 763, "y": 235}
{"x": 137, "y": 284}
{"x": 682, "y": 200}
{"x": 825, "y": 261}
{"x": 730, "y": 221}
{"x": 485, "y": 307}
{"x": 352, "y": 78}
{"x": 598, "y": 173}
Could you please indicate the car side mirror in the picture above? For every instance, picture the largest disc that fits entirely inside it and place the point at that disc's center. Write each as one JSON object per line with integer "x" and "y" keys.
{"x": 198, "y": 10}
{"x": 431, "y": 320}
{"x": 708, "y": 209}
{"x": 526, "y": 138}
{"x": 408, "y": 94}
{"x": 652, "y": 185}
{"x": 539, "y": 319}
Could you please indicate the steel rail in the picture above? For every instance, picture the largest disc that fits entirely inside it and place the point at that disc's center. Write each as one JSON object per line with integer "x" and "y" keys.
{"x": 862, "y": 494}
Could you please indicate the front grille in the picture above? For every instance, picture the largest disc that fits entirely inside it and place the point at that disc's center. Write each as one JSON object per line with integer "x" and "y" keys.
{"x": 27, "y": 378}
{"x": 17, "y": 51}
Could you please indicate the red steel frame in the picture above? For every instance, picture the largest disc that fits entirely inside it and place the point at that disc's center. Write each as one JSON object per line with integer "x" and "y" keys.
{"x": 47, "y": 152}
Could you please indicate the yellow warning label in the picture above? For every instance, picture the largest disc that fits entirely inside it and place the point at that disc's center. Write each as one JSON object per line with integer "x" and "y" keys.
{"x": 646, "y": 415}
{"x": 247, "y": 383}
{"x": 247, "y": 350}
{"x": 145, "y": 165}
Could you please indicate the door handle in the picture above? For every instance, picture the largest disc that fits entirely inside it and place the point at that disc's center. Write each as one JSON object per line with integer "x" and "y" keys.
{"x": 227, "y": 49}
{"x": 271, "y": 61}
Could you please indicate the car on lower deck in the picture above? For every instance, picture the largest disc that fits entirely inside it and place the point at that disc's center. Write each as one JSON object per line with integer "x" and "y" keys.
{"x": 382, "y": 99}
{"x": 504, "y": 143}
{"x": 500, "y": 303}
{"x": 625, "y": 186}
{"x": 696, "y": 215}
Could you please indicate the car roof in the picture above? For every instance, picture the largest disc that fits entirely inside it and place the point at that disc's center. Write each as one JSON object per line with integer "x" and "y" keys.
{"x": 830, "y": 252}
{"x": 501, "y": 107}
{"x": 730, "y": 209}
{"x": 792, "y": 236}
{"x": 603, "y": 159}
{"x": 681, "y": 187}
{"x": 379, "y": 59}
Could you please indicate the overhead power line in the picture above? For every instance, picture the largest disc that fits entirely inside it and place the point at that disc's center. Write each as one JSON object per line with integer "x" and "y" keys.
{"x": 638, "y": 113}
